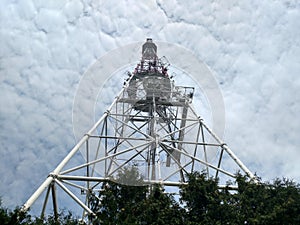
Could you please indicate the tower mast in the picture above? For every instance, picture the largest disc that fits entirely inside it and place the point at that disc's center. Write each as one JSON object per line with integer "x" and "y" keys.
{"x": 150, "y": 125}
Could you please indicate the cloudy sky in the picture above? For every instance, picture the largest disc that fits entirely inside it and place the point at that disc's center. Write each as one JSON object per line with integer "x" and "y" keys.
{"x": 252, "y": 47}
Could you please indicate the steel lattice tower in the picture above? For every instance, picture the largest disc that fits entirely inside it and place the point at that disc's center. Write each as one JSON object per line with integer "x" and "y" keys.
{"x": 150, "y": 125}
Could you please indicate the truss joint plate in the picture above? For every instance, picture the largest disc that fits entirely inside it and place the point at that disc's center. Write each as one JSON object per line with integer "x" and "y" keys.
{"x": 53, "y": 175}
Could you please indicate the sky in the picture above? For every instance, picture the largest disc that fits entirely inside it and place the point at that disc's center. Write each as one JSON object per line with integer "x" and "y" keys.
{"x": 252, "y": 48}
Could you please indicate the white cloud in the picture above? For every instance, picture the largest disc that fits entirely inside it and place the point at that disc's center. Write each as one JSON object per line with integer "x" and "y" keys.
{"x": 253, "y": 47}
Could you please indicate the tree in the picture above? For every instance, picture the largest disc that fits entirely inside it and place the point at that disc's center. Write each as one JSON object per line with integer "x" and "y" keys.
{"x": 20, "y": 217}
{"x": 201, "y": 198}
{"x": 123, "y": 204}
{"x": 17, "y": 216}
{"x": 264, "y": 203}
{"x": 202, "y": 202}
{"x": 117, "y": 199}
{"x": 63, "y": 219}
{"x": 286, "y": 210}
{"x": 159, "y": 208}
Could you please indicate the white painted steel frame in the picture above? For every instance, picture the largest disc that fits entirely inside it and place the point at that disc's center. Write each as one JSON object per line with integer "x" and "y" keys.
{"x": 168, "y": 146}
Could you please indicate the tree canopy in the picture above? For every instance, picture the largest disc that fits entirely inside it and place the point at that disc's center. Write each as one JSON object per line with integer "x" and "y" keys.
{"x": 201, "y": 201}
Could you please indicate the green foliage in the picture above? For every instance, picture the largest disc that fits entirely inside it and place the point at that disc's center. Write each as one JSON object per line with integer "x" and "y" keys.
{"x": 200, "y": 196}
{"x": 205, "y": 203}
{"x": 119, "y": 199}
{"x": 123, "y": 204}
{"x": 63, "y": 219}
{"x": 200, "y": 202}
{"x": 159, "y": 208}
{"x": 252, "y": 203}
{"x": 17, "y": 216}
{"x": 277, "y": 203}
{"x": 20, "y": 217}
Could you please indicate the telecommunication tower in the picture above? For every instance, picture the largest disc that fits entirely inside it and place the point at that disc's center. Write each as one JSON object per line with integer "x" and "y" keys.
{"x": 151, "y": 125}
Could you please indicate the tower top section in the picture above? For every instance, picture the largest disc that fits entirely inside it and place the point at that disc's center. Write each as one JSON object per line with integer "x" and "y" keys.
{"x": 150, "y": 64}
{"x": 149, "y": 50}
{"x": 150, "y": 83}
